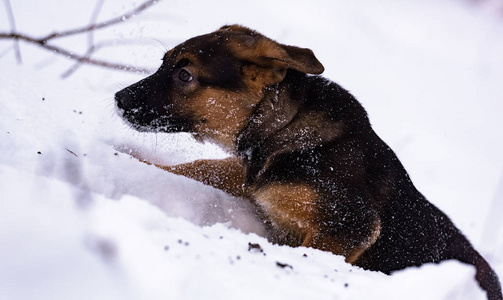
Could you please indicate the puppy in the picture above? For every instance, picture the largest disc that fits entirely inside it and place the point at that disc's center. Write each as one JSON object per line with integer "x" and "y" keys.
{"x": 302, "y": 149}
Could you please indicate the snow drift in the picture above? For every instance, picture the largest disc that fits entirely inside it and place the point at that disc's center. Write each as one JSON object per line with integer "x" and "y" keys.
{"x": 80, "y": 219}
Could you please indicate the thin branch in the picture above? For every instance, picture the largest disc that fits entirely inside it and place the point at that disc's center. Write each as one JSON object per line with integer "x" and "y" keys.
{"x": 12, "y": 22}
{"x": 101, "y": 25}
{"x": 44, "y": 41}
{"x": 76, "y": 65}
{"x": 104, "y": 44}
{"x": 72, "y": 55}
{"x": 90, "y": 40}
{"x": 94, "y": 18}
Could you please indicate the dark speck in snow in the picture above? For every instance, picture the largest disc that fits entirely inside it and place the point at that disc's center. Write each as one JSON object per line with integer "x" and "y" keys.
{"x": 71, "y": 152}
{"x": 255, "y": 248}
{"x": 282, "y": 265}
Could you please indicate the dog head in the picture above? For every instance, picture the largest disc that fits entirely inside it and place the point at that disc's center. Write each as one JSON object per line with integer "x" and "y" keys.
{"x": 210, "y": 84}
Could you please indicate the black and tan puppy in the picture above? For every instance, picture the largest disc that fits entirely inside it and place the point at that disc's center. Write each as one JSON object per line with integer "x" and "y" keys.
{"x": 302, "y": 149}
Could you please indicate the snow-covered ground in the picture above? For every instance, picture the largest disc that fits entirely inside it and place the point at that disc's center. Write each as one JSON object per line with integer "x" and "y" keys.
{"x": 79, "y": 219}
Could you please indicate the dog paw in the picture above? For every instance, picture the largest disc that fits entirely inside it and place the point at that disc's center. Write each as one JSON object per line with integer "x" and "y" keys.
{"x": 134, "y": 152}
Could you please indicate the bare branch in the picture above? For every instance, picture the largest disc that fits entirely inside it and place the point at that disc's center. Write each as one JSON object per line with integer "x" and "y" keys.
{"x": 75, "y": 66}
{"x": 101, "y": 25}
{"x": 103, "y": 44}
{"x": 12, "y": 22}
{"x": 72, "y": 55}
{"x": 90, "y": 39}
{"x": 94, "y": 18}
{"x": 44, "y": 41}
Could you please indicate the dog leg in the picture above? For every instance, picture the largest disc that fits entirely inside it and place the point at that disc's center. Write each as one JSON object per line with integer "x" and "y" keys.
{"x": 295, "y": 207}
{"x": 329, "y": 243}
{"x": 227, "y": 174}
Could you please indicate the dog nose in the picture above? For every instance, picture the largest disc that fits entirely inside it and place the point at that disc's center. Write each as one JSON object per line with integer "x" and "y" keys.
{"x": 124, "y": 99}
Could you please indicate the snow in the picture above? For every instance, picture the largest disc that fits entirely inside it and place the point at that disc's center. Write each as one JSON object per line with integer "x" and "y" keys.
{"x": 81, "y": 219}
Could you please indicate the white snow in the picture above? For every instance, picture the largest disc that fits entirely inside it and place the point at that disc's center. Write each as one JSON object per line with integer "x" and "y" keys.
{"x": 81, "y": 219}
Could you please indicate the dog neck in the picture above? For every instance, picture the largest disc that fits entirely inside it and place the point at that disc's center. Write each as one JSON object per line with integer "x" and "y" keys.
{"x": 288, "y": 119}
{"x": 278, "y": 107}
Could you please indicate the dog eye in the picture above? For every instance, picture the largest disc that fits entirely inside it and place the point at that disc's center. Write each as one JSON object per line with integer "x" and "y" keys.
{"x": 185, "y": 76}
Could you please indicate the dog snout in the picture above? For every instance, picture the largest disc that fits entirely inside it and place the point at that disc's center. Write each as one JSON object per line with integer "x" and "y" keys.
{"x": 125, "y": 99}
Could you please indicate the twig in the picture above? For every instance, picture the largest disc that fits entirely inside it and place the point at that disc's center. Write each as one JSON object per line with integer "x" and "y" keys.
{"x": 76, "y": 65}
{"x": 94, "y": 18}
{"x": 103, "y": 44}
{"x": 74, "y": 56}
{"x": 90, "y": 40}
{"x": 12, "y": 22}
{"x": 44, "y": 41}
{"x": 101, "y": 25}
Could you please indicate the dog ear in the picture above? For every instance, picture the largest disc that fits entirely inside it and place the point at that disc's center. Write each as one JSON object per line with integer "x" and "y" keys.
{"x": 253, "y": 47}
{"x": 303, "y": 59}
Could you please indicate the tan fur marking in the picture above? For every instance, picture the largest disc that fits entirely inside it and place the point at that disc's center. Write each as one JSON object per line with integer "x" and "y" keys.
{"x": 353, "y": 256}
{"x": 319, "y": 240}
{"x": 257, "y": 78}
{"x": 265, "y": 52}
{"x": 323, "y": 242}
{"x": 220, "y": 115}
{"x": 291, "y": 205}
{"x": 227, "y": 174}
{"x": 259, "y": 50}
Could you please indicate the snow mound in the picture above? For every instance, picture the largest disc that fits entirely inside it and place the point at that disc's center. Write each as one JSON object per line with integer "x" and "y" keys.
{"x": 81, "y": 219}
